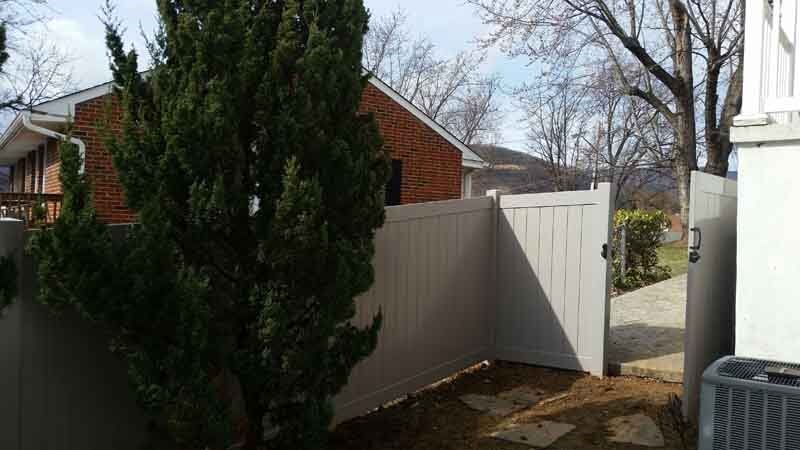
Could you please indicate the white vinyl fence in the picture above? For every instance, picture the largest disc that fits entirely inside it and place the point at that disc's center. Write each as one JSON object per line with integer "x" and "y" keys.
{"x": 552, "y": 290}
{"x": 433, "y": 271}
{"x": 457, "y": 283}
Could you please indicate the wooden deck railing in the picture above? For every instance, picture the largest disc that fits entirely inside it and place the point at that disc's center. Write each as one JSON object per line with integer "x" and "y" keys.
{"x": 32, "y": 208}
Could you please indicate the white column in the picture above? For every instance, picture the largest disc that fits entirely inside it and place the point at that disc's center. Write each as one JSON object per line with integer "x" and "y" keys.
{"x": 755, "y": 65}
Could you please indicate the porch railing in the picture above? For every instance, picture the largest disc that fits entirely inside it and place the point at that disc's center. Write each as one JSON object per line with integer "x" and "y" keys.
{"x": 32, "y": 208}
{"x": 771, "y": 78}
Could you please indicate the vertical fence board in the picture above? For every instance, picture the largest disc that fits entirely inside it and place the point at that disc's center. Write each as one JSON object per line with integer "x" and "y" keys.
{"x": 431, "y": 268}
{"x": 562, "y": 282}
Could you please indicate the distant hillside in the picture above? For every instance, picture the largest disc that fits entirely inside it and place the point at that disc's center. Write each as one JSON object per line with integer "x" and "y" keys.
{"x": 512, "y": 172}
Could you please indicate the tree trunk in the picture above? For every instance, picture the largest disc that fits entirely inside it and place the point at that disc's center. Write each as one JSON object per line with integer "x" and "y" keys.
{"x": 683, "y": 179}
{"x": 685, "y": 150}
{"x": 718, "y": 157}
{"x": 715, "y": 163}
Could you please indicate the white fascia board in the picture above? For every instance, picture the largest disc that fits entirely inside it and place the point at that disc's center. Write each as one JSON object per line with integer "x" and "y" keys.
{"x": 65, "y": 106}
{"x": 469, "y": 158}
{"x": 11, "y": 131}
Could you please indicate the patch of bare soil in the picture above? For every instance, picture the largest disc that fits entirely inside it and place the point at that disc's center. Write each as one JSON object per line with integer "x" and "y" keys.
{"x": 436, "y": 418}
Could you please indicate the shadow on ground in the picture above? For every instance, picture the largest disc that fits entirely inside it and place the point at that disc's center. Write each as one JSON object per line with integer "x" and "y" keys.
{"x": 437, "y": 419}
{"x": 637, "y": 341}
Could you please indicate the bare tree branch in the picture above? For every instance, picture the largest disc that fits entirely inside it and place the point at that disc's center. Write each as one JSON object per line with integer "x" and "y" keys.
{"x": 451, "y": 91}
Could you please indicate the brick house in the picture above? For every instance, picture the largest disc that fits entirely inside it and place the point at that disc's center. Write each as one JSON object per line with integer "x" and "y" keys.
{"x": 428, "y": 163}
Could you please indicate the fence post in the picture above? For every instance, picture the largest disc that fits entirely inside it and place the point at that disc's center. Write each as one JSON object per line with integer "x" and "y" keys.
{"x": 495, "y": 195}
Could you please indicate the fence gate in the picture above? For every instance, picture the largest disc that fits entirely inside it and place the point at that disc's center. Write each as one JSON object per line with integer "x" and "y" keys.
{"x": 553, "y": 279}
{"x": 711, "y": 288}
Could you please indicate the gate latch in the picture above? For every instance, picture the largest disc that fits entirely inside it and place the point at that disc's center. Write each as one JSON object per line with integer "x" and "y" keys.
{"x": 604, "y": 252}
{"x": 694, "y": 251}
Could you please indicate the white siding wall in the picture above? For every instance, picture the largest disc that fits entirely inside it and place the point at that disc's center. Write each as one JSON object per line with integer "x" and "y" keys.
{"x": 768, "y": 298}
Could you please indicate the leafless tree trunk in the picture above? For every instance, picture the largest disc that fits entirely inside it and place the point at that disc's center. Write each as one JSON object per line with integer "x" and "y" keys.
{"x": 453, "y": 91}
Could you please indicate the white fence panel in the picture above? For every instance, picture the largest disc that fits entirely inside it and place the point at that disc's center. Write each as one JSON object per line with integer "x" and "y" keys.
{"x": 60, "y": 386}
{"x": 711, "y": 285}
{"x": 433, "y": 268}
{"x": 553, "y": 291}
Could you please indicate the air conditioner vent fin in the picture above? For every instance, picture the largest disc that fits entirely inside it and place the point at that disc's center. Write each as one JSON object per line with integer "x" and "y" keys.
{"x": 754, "y": 370}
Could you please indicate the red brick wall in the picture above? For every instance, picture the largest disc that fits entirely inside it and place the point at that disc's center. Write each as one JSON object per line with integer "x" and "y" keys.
{"x": 108, "y": 197}
{"x": 431, "y": 165}
{"x": 52, "y": 184}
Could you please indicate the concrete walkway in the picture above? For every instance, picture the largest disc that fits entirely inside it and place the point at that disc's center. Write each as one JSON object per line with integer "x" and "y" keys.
{"x": 647, "y": 327}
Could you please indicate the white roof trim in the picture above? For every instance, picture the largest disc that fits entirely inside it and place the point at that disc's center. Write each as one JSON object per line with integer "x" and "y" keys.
{"x": 469, "y": 158}
{"x": 65, "y": 106}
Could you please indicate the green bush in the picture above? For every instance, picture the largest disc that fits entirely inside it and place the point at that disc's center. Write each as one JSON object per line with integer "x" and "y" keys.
{"x": 643, "y": 231}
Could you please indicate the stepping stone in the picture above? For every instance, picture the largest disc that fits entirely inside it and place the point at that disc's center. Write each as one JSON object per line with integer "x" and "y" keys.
{"x": 540, "y": 435}
{"x": 492, "y": 405}
{"x": 637, "y": 429}
{"x": 523, "y": 395}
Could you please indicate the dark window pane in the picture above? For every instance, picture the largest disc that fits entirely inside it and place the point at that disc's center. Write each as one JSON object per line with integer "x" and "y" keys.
{"x": 395, "y": 184}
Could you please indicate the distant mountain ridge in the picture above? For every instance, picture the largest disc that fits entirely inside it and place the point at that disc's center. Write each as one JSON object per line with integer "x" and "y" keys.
{"x": 515, "y": 172}
{"x": 511, "y": 172}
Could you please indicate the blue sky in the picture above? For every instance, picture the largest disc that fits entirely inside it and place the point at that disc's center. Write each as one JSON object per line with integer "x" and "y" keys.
{"x": 450, "y": 24}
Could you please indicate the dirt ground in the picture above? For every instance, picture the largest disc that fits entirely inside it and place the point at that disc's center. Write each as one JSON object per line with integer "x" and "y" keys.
{"x": 436, "y": 419}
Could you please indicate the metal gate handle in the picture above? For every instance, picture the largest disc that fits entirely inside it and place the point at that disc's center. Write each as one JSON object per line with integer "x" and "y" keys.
{"x": 694, "y": 254}
{"x": 699, "y": 240}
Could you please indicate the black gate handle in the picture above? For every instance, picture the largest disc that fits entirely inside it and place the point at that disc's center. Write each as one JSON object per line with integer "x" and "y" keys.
{"x": 694, "y": 254}
{"x": 699, "y": 240}
{"x": 604, "y": 252}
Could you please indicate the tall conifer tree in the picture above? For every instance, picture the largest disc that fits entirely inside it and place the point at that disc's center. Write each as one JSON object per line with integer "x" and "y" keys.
{"x": 258, "y": 188}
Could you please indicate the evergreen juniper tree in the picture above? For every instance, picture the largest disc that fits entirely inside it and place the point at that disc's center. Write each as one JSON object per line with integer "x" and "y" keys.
{"x": 258, "y": 188}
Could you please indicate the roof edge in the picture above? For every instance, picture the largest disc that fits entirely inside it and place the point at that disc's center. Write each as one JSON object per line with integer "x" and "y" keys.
{"x": 469, "y": 158}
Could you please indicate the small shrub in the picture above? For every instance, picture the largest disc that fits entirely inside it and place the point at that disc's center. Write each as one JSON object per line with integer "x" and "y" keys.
{"x": 643, "y": 231}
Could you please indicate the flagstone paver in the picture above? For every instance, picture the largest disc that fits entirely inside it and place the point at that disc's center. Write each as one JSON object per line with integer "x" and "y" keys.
{"x": 523, "y": 395}
{"x": 637, "y": 429}
{"x": 492, "y": 405}
{"x": 539, "y": 435}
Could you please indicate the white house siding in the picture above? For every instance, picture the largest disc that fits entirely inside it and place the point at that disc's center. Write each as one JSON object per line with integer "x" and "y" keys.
{"x": 768, "y": 293}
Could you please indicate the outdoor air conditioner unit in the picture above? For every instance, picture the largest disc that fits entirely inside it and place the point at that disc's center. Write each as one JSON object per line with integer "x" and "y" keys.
{"x": 750, "y": 404}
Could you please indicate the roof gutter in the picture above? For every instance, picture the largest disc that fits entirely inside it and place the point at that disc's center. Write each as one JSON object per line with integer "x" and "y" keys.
{"x": 27, "y": 123}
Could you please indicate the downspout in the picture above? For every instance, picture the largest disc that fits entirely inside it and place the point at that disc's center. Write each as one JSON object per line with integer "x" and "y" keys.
{"x": 26, "y": 122}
